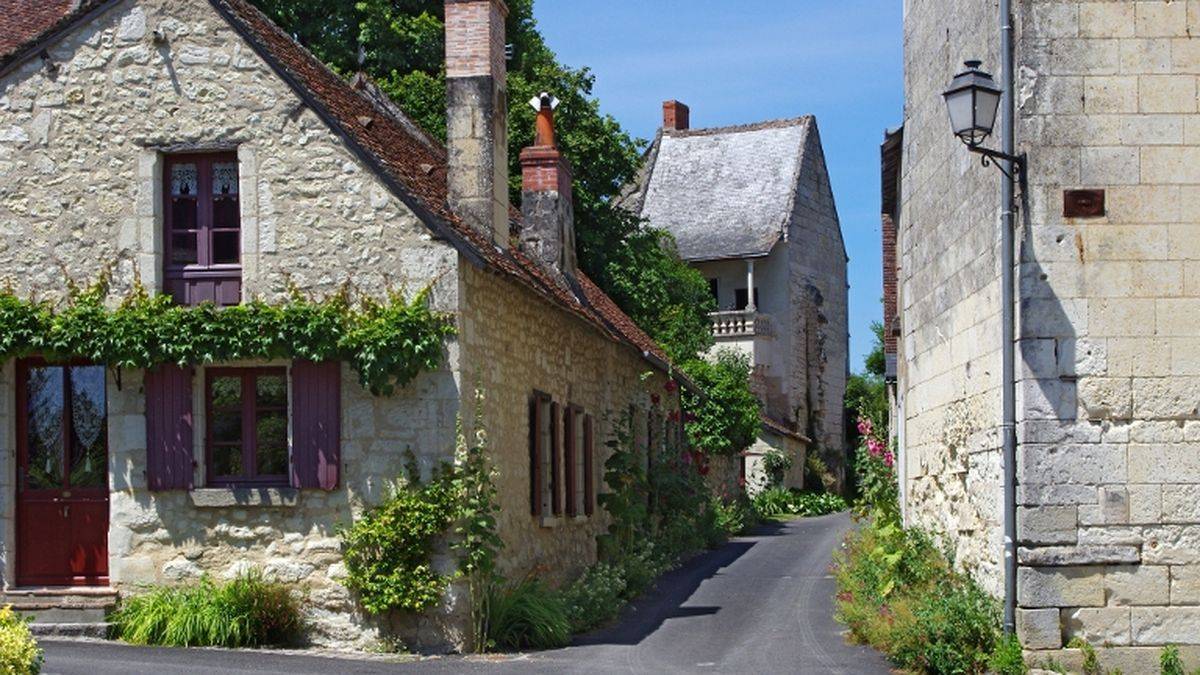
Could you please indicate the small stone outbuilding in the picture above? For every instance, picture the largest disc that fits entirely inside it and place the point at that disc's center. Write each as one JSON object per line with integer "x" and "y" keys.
{"x": 195, "y": 146}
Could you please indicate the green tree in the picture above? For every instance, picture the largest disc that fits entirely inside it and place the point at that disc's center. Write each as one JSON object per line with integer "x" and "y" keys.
{"x": 726, "y": 421}
{"x": 866, "y": 392}
{"x": 400, "y": 44}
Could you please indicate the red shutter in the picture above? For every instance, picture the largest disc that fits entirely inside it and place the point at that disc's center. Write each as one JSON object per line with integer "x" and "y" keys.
{"x": 170, "y": 459}
{"x": 569, "y": 457}
{"x": 316, "y": 424}
{"x": 589, "y": 461}
{"x": 535, "y": 455}
{"x": 555, "y": 450}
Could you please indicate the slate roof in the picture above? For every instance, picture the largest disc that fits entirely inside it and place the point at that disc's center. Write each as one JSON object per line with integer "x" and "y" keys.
{"x": 402, "y": 155}
{"x": 726, "y": 192}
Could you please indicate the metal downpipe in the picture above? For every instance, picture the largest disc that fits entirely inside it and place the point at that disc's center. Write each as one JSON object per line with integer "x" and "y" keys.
{"x": 1007, "y": 253}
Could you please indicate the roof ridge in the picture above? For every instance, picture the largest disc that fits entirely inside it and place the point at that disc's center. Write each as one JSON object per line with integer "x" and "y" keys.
{"x": 781, "y": 123}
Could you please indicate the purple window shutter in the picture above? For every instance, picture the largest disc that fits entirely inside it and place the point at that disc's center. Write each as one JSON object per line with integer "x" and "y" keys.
{"x": 169, "y": 440}
{"x": 316, "y": 424}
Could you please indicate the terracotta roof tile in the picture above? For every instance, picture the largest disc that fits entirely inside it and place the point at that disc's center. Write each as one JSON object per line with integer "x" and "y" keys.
{"x": 23, "y": 21}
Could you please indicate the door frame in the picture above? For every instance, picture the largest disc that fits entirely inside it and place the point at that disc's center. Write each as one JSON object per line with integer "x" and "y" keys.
{"x": 21, "y": 460}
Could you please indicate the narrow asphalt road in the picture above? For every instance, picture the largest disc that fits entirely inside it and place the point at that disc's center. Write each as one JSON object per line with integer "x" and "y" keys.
{"x": 760, "y": 604}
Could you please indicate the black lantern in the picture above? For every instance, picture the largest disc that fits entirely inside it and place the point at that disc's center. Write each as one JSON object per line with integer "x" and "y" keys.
{"x": 972, "y": 101}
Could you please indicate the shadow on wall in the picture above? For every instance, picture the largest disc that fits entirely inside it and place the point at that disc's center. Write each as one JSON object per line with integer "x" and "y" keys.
{"x": 1046, "y": 378}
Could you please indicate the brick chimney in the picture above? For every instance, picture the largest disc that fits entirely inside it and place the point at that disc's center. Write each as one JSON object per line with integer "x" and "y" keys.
{"x": 476, "y": 116}
{"x": 548, "y": 216}
{"x": 676, "y": 116}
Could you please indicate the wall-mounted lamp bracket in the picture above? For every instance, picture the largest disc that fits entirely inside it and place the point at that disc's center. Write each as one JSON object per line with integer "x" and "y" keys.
{"x": 990, "y": 157}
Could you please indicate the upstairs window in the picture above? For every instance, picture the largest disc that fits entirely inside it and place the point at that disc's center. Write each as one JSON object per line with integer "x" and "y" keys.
{"x": 203, "y": 260}
{"x": 741, "y": 298}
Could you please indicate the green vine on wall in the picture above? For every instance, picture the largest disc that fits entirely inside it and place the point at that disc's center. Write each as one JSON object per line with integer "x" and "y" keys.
{"x": 388, "y": 342}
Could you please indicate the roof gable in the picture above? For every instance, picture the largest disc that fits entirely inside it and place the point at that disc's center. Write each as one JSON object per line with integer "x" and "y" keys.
{"x": 727, "y": 192}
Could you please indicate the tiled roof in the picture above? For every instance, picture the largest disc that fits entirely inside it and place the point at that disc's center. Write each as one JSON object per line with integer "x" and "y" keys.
{"x": 23, "y": 21}
{"x": 774, "y": 425}
{"x": 403, "y": 156}
{"x": 726, "y": 192}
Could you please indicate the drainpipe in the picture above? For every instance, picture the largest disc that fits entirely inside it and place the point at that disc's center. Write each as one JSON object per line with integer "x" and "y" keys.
{"x": 1008, "y": 387}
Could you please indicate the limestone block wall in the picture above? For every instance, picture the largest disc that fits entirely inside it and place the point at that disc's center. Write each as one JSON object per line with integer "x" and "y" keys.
{"x": 949, "y": 295}
{"x": 1110, "y": 457}
{"x": 819, "y": 349}
{"x": 511, "y": 345}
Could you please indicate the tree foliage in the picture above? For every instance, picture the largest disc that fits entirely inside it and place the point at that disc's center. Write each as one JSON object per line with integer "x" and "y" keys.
{"x": 401, "y": 46}
{"x": 726, "y": 421}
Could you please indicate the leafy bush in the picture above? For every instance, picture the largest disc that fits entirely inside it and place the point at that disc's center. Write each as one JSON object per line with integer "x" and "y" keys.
{"x": 726, "y": 420}
{"x": 776, "y": 464}
{"x": 778, "y": 501}
{"x": 953, "y": 631}
{"x": 19, "y": 652}
{"x": 389, "y": 550}
{"x": 727, "y": 518}
{"x": 1007, "y": 658}
{"x": 529, "y": 615}
{"x": 245, "y": 612}
{"x": 595, "y": 598}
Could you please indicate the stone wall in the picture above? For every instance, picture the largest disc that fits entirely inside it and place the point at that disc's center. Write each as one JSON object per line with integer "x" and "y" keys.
{"x": 80, "y": 164}
{"x": 817, "y": 291}
{"x": 1108, "y": 431}
{"x": 949, "y": 297}
{"x": 511, "y": 345}
{"x": 1108, "y": 520}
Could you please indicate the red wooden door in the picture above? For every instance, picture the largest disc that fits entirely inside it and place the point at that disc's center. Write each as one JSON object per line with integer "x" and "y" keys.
{"x": 62, "y": 475}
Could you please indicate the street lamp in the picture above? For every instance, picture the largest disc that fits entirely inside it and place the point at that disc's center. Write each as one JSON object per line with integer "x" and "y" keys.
{"x": 972, "y": 101}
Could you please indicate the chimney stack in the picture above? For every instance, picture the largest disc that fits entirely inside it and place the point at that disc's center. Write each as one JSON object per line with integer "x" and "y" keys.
{"x": 548, "y": 215}
{"x": 476, "y": 115}
{"x": 676, "y": 116}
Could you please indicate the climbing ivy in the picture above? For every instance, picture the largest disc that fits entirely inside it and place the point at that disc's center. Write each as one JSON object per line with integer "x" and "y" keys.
{"x": 388, "y": 342}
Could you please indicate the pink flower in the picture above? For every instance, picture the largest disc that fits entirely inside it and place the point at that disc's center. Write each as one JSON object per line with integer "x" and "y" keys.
{"x": 671, "y": 385}
{"x": 875, "y": 446}
{"x": 889, "y": 459}
{"x": 864, "y": 426}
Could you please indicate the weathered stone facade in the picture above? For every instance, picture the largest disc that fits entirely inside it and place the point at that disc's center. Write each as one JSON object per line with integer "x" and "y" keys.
{"x": 1107, "y": 477}
{"x": 82, "y": 147}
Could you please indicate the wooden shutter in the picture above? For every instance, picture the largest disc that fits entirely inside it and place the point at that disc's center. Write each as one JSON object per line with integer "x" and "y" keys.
{"x": 589, "y": 461}
{"x": 555, "y": 464}
{"x": 316, "y": 424}
{"x": 535, "y": 455}
{"x": 170, "y": 454}
{"x": 569, "y": 457}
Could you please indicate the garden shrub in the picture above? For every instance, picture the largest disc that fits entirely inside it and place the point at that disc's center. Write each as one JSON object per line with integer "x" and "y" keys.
{"x": 19, "y": 652}
{"x": 776, "y": 502}
{"x": 1007, "y": 658}
{"x": 248, "y": 611}
{"x": 527, "y": 616}
{"x": 389, "y": 550}
{"x": 595, "y": 598}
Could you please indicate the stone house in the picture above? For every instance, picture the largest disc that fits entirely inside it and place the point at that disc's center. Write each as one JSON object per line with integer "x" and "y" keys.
{"x": 196, "y": 146}
{"x": 1108, "y": 430}
{"x": 751, "y": 207}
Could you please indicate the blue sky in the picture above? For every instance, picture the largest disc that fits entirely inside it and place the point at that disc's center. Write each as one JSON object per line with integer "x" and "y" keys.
{"x": 741, "y": 62}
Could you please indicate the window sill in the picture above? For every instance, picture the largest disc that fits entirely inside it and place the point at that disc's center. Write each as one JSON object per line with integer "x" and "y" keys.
{"x": 264, "y": 497}
{"x": 550, "y": 522}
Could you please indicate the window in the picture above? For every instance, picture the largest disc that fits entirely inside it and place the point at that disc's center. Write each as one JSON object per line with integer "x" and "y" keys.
{"x": 741, "y": 297}
{"x": 203, "y": 259}
{"x": 714, "y": 289}
{"x": 247, "y": 426}
{"x": 544, "y": 456}
{"x": 64, "y": 428}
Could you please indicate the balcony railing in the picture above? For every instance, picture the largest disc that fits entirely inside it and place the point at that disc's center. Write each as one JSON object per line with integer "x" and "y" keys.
{"x": 741, "y": 323}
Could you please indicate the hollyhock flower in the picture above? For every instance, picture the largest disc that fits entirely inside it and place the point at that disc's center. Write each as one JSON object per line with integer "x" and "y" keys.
{"x": 864, "y": 426}
{"x": 671, "y": 386}
{"x": 875, "y": 446}
{"x": 889, "y": 459}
